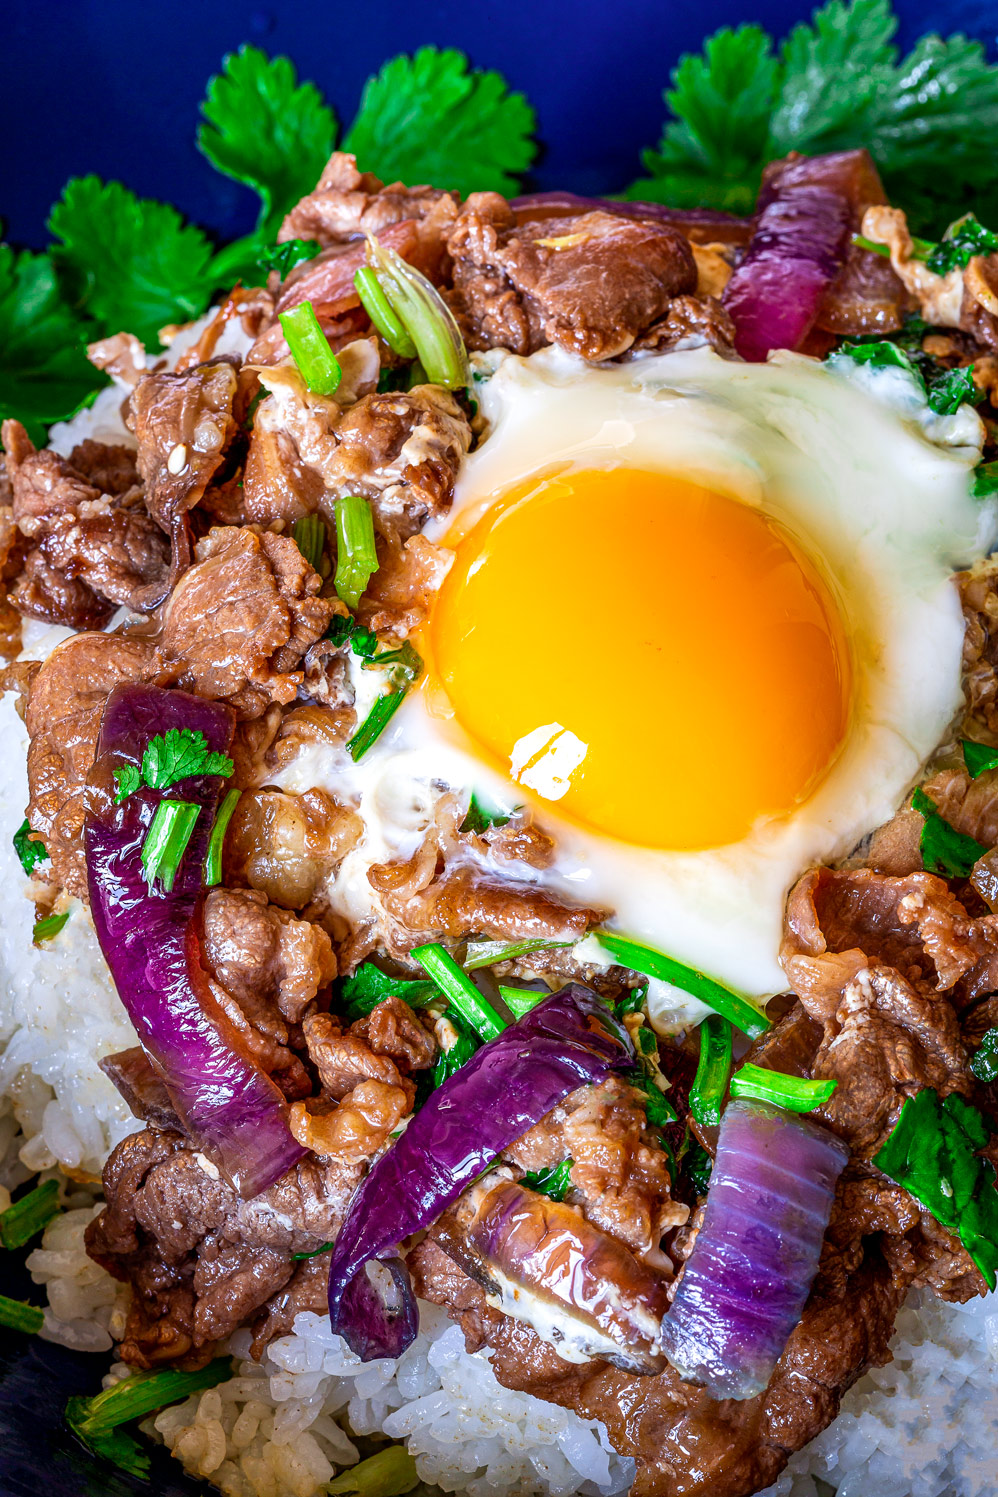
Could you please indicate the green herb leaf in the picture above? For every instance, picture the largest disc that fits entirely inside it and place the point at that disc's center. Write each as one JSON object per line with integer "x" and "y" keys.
{"x": 985, "y": 481}
{"x": 356, "y": 556}
{"x": 315, "y": 1253}
{"x": 459, "y": 989}
{"x": 369, "y": 986}
{"x": 488, "y": 953}
{"x": 18, "y": 1315}
{"x": 932, "y": 1152}
{"x": 28, "y": 1216}
{"x": 697, "y": 1163}
{"x": 658, "y": 1110}
{"x": 984, "y": 1063}
{"x": 284, "y": 257}
{"x": 346, "y": 630}
{"x": 978, "y": 757}
{"x": 520, "y": 1001}
{"x": 48, "y": 926}
{"x": 166, "y": 841}
{"x": 30, "y": 850}
{"x": 216, "y": 842}
{"x": 944, "y": 850}
{"x": 45, "y": 374}
{"x": 951, "y": 389}
{"x": 880, "y": 353}
{"x": 388, "y": 1473}
{"x": 711, "y": 1079}
{"x": 555, "y": 1181}
{"x": 480, "y": 817}
{"x": 431, "y": 118}
{"x": 127, "y": 780}
{"x": 178, "y": 754}
{"x": 94, "y": 1420}
{"x": 958, "y": 247}
{"x": 374, "y": 724}
{"x": 742, "y": 1012}
{"x": 266, "y": 129}
{"x": 318, "y": 365}
{"x": 464, "y": 1047}
{"x": 713, "y": 149}
{"x": 132, "y": 262}
{"x": 632, "y": 1002}
{"x": 309, "y": 534}
{"x": 795, "y": 1093}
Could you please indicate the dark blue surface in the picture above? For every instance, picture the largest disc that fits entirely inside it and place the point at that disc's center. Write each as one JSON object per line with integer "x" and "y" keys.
{"x": 114, "y": 88}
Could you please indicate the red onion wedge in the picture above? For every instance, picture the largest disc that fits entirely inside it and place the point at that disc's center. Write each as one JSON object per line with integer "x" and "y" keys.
{"x": 802, "y": 233}
{"x": 151, "y": 942}
{"x": 747, "y": 1280}
{"x": 504, "y": 1089}
{"x": 536, "y": 1252}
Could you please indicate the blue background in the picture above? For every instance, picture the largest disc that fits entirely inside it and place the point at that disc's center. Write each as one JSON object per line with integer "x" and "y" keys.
{"x": 113, "y": 86}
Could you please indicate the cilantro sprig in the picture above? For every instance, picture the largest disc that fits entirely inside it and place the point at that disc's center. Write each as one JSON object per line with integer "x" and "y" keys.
{"x": 555, "y": 1181}
{"x": 168, "y": 758}
{"x": 944, "y": 850}
{"x": 30, "y": 850}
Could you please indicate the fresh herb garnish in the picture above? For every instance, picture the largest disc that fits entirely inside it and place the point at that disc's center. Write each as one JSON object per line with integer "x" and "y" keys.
{"x": 742, "y": 1012}
{"x": 425, "y": 316}
{"x": 213, "y": 857}
{"x": 96, "y": 1420}
{"x": 933, "y": 1153}
{"x": 284, "y": 257}
{"x": 944, "y": 850}
{"x": 356, "y": 556}
{"x": 520, "y": 1001}
{"x": 18, "y": 1315}
{"x": 951, "y": 389}
{"x": 881, "y": 353}
{"x": 795, "y": 1093}
{"x": 374, "y": 723}
{"x": 48, "y": 926}
{"x": 632, "y": 1002}
{"x": 309, "y": 535}
{"x": 658, "y": 1110}
{"x": 169, "y": 758}
{"x": 453, "y": 1058}
{"x": 985, "y": 481}
{"x": 369, "y": 986}
{"x": 984, "y": 1062}
{"x": 166, "y": 841}
{"x": 318, "y": 365}
{"x": 697, "y": 1163}
{"x": 45, "y": 374}
{"x": 488, "y": 953}
{"x": 480, "y": 817}
{"x": 978, "y": 757}
{"x": 388, "y": 1473}
{"x": 711, "y": 1079}
{"x": 945, "y": 391}
{"x": 28, "y": 1216}
{"x": 459, "y": 989}
{"x": 30, "y": 850}
{"x": 556, "y": 1181}
{"x": 404, "y": 667}
{"x": 957, "y": 248}
{"x": 346, "y": 630}
{"x": 382, "y": 315}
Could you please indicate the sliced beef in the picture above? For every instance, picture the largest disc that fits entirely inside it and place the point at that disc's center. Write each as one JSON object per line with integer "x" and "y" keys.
{"x": 239, "y": 621}
{"x": 200, "y": 1260}
{"x": 591, "y": 282}
{"x": 287, "y": 846}
{"x": 63, "y": 714}
{"x": 11, "y": 561}
{"x": 263, "y": 955}
{"x": 132, "y": 1073}
{"x": 43, "y": 592}
{"x": 979, "y": 596}
{"x": 690, "y": 322}
{"x": 346, "y": 203}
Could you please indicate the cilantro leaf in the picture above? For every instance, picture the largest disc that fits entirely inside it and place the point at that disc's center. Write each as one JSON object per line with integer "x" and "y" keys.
{"x": 369, "y": 986}
{"x": 431, "y": 118}
{"x": 658, "y": 1110}
{"x": 30, "y": 850}
{"x": 932, "y": 1152}
{"x": 713, "y": 149}
{"x": 985, "y": 481}
{"x": 131, "y": 262}
{"x": 345, "y": 629}
{"x": 632, "y": 1002}
{"x": 832, "y": 70}
{"x": 262, "y": 127}
{"x": 178, "y": 754}
{"x": 284, "y": 257}
{"x": 480, "y": 817}
{"x": 951, "y": 389}
{"x": 464, "y": 1047}
{"x": 126, "y": 781}
{"x": 45, "y": 374}
{"x": 555, "y": 1181}
{"x": 984, "y": 1062}
{"x": 881, "y": 354}
{"x": 978, "y": 757}
{"x": 697, "y": 1163}
{"x": 958, "y": 248}
{"x": 944, "y": 850}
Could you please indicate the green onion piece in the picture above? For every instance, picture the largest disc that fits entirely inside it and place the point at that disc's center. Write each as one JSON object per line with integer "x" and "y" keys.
{"x": 555, "y": 1181}
{"x": 94, "y": 1420}
{"x": 743, "y": 1013}
{"x": 459, "y": 989}
{"x": 315, "y": 1253}
{"x": 18, "y": 1315}
{"x": 871, "y": 244}
{"x": 374, "y": 724}
{"x": 520, "y": 1001}
{"x": 488, "y": 953}
{"x": 356, "y": 557}
{"x": 711, "y": 1080}
{"x": 426, "y": 317}
{"x": 30, "y": 849}
{"x": 795, "y": 1093}
{"x": 309, "y": 536}
{"x": 978, "y": 757}
{"x": 48, "y": 926}
{"x": 388, "y": 1473}
{"x": 213, "y": 857}
{"x": 166, "y": 841}
{"x": 406, "y": 663}
{"x": 26, "y": 1217}
{"x": 378, "y": 308}
{"x": 319, "y": 366}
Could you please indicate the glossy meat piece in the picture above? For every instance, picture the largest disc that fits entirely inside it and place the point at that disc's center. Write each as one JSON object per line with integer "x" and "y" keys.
{"x": 591, "y": 282}
{"x": 239, "y": 621}
{"x": 346, "y": 203}
{"x": 344, "y": 1059}
{"x": 263, "y": 955}
{"x": 142, "y": 1087}
{"x": 44, "y": 592}
{"x": 286, "y": 845}
{"x": 979, "y": 598}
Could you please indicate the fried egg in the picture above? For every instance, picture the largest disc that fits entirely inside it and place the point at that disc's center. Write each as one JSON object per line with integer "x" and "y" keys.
{"x": 701, "y": 620}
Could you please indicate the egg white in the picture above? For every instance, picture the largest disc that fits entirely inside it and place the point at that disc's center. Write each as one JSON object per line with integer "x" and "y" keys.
{"x": 886, "y": 514}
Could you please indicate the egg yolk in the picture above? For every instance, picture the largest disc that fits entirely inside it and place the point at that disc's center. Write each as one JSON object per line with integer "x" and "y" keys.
{"x": 661, "y": 660}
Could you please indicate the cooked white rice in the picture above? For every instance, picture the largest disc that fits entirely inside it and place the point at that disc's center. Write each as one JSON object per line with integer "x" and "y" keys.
{"x": 925, "y": 1426}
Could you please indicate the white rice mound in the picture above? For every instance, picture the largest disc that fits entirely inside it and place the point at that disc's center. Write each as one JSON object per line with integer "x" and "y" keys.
{"x": 924, "y": 1426}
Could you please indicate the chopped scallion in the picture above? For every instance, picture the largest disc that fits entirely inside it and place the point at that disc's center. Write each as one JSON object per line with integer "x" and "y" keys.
{"x": 318, "y": 365}
{"x": 459, "y": 989}
{"x": 795, "y": 1093}
{"x": 375, "y": 723}
{"x": 488, "y": 953}
{"x": 711, "y": 1080}
{"x": 379, "y": 309}
{"x": 166, "y": 841}
{"x": 742, "y": 1012}
{"x": 309, "y": 535}
{"x": 387, "y": 1473}
{"x": 213, "y": 857}
{"x": 27, "y": 1217}
{"x": 425, "y": 315}
{"x": 96, "y": 1420}
{"x": 520, "y": 1001}
{"x": 48, "y": 926}
{"x": 30, "y": 849}
{"x": 315, "y": 1253}
{"x": 18, "y": 1315}
{"x": 356, "y": 557}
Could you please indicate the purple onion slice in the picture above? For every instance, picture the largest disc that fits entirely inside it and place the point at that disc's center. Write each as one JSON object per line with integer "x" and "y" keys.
{"x": 746, "y": 1282}
{"x": 505, "y": 1088}
{"x": 150, "y": 940}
